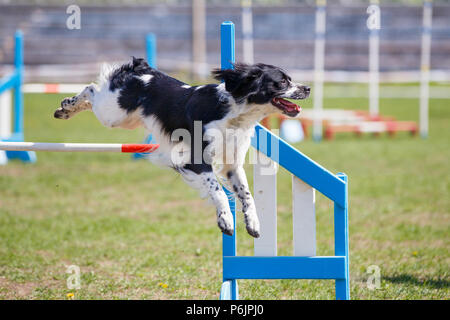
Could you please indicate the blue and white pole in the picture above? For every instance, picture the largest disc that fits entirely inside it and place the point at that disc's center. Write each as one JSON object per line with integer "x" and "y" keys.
{"x": 227, "y": 58}
{"x": 342, "y": 286}
{"x": 18, "y": 95}
{"x": 150, "y": 49}
{"x": 150, "y": 45}
{"x": 15, "y": 82}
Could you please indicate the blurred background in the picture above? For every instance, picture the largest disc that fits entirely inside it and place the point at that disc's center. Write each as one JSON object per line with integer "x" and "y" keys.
{"x": 187, "y": 34}
{"x": 137, "y": 232}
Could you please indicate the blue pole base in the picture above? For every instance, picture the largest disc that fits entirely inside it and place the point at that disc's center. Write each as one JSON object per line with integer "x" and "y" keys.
{"x": 137, "y": 156}
{"x": 229, "y": 290}
{"x": 317, "y": 138}
{"x": 143, "y": 155}
{"x": 25, "y": 156}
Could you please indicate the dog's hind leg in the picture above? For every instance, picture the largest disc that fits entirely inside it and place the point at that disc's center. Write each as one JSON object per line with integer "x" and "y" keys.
{"x": 71, "y": 106}
{"x": 238, "y": 180}
{"x": 201, "y": 177}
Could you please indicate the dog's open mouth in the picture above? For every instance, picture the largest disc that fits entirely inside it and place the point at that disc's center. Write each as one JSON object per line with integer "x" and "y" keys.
{"x": 289, "y": 108}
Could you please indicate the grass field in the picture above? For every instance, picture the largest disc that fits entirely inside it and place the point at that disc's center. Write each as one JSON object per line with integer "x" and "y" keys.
{"x": 137, "y": 232}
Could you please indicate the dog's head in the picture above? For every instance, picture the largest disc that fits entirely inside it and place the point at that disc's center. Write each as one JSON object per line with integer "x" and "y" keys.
{"x": 263, "y": 84}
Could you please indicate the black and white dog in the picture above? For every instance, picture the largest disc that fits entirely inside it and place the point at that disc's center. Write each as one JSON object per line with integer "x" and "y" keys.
{"x": 191, "y": 124}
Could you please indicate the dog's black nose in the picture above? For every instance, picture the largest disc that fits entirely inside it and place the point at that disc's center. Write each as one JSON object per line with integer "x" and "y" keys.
{"x": 307, "y": 89}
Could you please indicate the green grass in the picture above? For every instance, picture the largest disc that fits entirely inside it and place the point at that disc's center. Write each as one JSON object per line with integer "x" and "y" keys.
{"x": 131, "y": 226}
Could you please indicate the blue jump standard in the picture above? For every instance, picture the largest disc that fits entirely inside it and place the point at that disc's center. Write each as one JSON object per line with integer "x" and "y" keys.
{"x": 14, "y": 82}
{"x": 335, "y": 187}
{"x": 150, "y": 48}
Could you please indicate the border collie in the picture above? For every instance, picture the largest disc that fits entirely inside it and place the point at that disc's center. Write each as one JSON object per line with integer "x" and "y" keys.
{"x": 179, "y": 115}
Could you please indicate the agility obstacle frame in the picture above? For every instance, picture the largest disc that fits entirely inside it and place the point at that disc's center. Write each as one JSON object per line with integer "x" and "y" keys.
{"x": 78, "y": 147}
{"x": 14, "y": 83}
{"x": 307, "y": 176}
{"x": 150, "y": 52}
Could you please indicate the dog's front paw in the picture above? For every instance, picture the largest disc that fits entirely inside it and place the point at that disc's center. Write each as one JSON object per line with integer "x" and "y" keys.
{"x": 225, "y": 222}
{"x": 68, "y": 102}
{"x": 252, "y": 222}
{"x": 61, "y": 113}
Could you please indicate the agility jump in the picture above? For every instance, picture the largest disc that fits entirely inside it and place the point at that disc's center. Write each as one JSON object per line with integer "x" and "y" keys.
{"x": 12, "y": 84}
{"x": 307, "y": 176}
{"x": 78, "y": 147}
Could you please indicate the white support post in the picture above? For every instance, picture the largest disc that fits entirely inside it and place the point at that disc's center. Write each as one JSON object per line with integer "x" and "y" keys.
{"x": 5, "y": 114}
{"x": 5, "y": 121}
{"x": 319, "y": 61}
{"x": 304, "y": 218}
{"x": 373, "y": 23}
{"x": 199, "y": 64}
{"x": 265, "y": 192}
{"x": 425, "y": 67}
{"x": 247, "y": 31}
{"x": 374, "y": 76}
{"x": 3, "y": 158}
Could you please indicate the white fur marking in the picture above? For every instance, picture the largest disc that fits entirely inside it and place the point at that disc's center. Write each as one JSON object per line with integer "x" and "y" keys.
{"x": 146, "y": 78}
{"x": 292, "y": 88}
{"x": 207, "y": 184}
{"x": 105, "y": 73}
{"x": 163, "y": 155}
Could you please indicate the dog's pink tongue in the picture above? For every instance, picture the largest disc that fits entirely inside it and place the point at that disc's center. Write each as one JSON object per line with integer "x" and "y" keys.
{"x": 289, "y": 105}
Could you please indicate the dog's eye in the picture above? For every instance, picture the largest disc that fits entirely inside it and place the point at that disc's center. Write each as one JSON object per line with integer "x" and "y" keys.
{"x": 283, "y": 82}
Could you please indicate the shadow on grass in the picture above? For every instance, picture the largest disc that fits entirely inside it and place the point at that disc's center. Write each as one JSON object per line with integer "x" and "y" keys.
{"x": 409, "y": 279}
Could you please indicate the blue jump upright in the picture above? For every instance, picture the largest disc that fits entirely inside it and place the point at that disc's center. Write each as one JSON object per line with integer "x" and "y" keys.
{"x": 230, "y": 289}
{"x": 150, "y": 50}
{"x": 335, "y": 187}
{"x": 150, "y": 47}
{"x": 14, "y": 82}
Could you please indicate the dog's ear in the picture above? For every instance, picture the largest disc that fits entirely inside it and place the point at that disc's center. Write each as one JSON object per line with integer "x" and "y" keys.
{"x": 229, "y": 76}
{"x": 139, "y": 64}
{"x": 240, "y": 80}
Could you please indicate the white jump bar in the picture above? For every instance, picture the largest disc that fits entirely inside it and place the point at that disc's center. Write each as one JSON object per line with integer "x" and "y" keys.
{"x": 77, "y": 147}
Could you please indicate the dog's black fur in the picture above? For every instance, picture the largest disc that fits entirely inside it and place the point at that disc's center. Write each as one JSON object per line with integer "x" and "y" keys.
{"x": 178, "y": 107}
{"x": 164, "y": 97}
{"x": 135, "y": 94}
